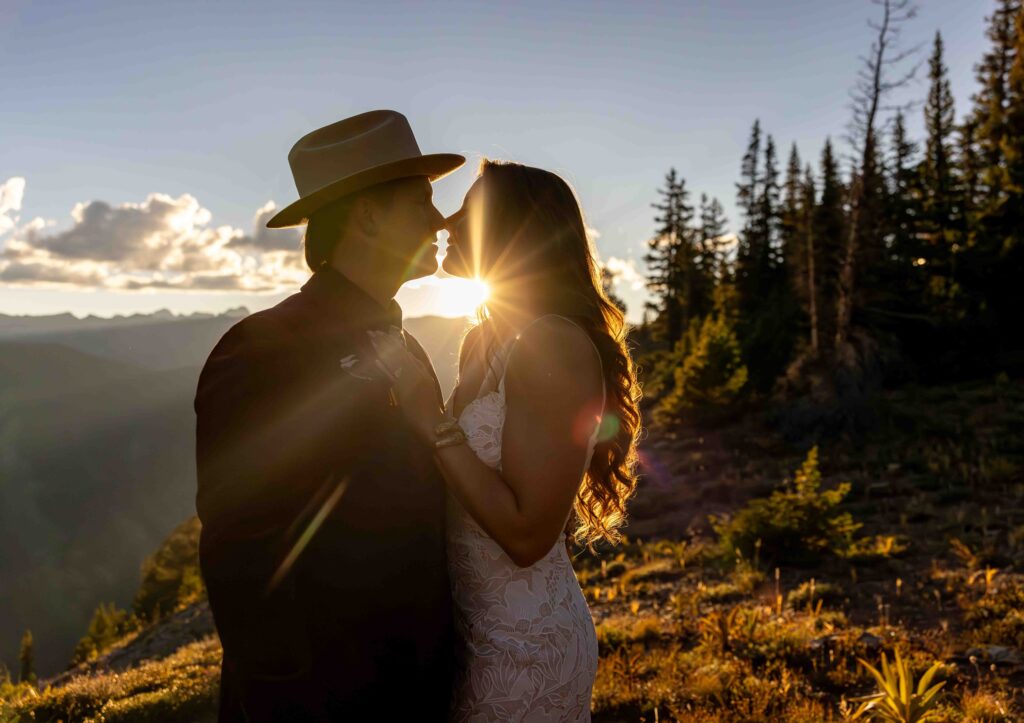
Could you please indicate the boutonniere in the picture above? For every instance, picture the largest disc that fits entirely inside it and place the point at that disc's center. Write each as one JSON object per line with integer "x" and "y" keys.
{"x": 375, "y": 368}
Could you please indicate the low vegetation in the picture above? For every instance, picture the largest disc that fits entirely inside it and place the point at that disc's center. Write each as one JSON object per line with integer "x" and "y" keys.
{"x": 912, "y": 544}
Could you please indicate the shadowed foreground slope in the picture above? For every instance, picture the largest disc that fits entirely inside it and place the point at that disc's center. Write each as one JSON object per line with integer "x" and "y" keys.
{"x": 757, "y": 616}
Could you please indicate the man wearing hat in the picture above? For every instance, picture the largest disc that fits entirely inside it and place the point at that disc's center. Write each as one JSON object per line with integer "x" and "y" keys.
{"x": 322, "y": 545}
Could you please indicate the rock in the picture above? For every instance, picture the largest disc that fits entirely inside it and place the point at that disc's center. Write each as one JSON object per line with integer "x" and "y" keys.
{"x": 822, "y": 643}
{"x": 869, "y": 641}
{"x": 998, "y": 654}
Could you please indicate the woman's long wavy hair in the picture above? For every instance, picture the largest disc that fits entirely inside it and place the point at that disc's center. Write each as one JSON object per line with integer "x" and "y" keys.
{"x": 535, "y": 238}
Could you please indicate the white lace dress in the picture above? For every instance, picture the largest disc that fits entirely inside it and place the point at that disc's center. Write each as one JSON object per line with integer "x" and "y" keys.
{"x": 530, "y": 650}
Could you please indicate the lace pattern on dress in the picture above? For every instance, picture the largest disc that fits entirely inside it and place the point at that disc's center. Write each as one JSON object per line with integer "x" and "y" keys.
{"x": 530, "y": 650}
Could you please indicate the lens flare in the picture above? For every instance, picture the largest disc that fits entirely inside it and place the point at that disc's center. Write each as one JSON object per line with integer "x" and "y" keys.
{"x": 609, "y": 427}
{"x": 461, "y": 297}
{"x": 476, "y": 233}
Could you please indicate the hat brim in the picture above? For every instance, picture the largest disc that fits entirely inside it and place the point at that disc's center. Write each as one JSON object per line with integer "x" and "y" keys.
{"x": 433, "y": 167}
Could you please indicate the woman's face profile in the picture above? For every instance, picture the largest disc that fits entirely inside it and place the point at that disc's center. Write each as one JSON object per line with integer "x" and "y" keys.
{"x": 466, "y": 235}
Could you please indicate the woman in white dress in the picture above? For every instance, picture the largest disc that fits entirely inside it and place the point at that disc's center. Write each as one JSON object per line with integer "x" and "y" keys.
{"x": 538, "y": 442}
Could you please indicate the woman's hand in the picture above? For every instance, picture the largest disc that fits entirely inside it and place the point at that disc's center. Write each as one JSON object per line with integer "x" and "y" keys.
{"x": 411, "y": 381}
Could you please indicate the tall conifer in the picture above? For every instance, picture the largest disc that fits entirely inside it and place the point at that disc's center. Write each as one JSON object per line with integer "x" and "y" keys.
{"x": 1008, "y": 218}
{"x": 27, "y": 659}
{"x": 709, "y": 257}
{"x": 669, "y": 256}
{"x": 941, "y": 209}
{"x": 829, "y": 229}
{"x": 713, "y": 228}
{"x": 747, "y": 193}
{"x": 791, "y": 230}
{"x": 991, "y": 100}
{"x": 990, "y": 270}
{"x": 904, "y": 197}
{"x": 809, "y": 271}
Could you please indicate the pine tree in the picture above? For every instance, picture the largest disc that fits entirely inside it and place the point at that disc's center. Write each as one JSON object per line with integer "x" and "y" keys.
{"x": 108, "y": 625}
{"x": 670, "y": 257}
{"x": 166, "y": 571}
{"x": 829, "y": 228}
{"x": 768, "y": 215}
{"x": 747, "y": 188}
{"x": 808, "y": 270}
{"x": 990, "y": 267}
{"x": 766, "y": 323}
{"x": 794, "y": 228}
{"x": 970, "y": 175}
{"x": 747, "y": 191}
{"x": 759, "y": 256}
{"x": 791, "y": 229}
{"x": 705, "y": 259}
{"x": 1007, "y": 222}
{"x": 991, "y": 101}
{"x": 712, "y": 373}
{"x": 904, "y": 196}
{"x": 608, "y": 286}
{"x": 941, "y": 209}
{"x": 713, "y": 228}
{"x": 27, "y": 659}
{"x": 792, "y": 196}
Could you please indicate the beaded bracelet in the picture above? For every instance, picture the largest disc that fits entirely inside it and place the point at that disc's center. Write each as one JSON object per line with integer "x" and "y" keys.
{"x": 448, "y": 434}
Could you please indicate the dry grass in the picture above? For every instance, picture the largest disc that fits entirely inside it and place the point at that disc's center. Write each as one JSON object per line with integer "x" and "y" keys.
{"x": 181, "y": 688}
{"x": 686, "y": 634}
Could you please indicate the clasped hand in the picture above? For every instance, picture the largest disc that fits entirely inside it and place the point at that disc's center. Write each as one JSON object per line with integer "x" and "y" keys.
{"x": 411, "y": 381}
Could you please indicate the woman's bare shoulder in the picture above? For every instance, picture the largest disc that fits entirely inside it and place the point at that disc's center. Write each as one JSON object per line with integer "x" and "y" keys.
{"x": 469, "y": 341}
{"x": 555, "y": 353}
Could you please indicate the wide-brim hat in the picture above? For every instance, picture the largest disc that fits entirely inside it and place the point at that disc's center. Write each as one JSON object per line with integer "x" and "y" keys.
{"x": 353, "y": 154}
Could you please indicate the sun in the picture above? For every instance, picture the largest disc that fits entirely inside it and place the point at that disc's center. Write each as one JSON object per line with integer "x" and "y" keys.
{"x": 448, "y": 296}
{"x": 461, "y": 297}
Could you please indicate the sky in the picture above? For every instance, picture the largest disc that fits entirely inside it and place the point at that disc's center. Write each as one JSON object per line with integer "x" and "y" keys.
{"x": 144, "y": 143}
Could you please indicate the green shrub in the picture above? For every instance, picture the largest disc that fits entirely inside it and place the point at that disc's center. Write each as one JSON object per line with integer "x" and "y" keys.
{"x": 999, "y": 618}
{"x": 809, "y": 593}
{"x": 108, "y": 625}
{"x": 709, "y": 371}
{"x": 798, "y": 522}
{"x": 170, "y": 576}
{"x": 617, "y": 631}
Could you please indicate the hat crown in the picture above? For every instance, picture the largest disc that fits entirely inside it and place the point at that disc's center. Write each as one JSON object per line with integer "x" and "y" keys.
{"x": 352, "y": 154}
{"x": 350, "y": 146}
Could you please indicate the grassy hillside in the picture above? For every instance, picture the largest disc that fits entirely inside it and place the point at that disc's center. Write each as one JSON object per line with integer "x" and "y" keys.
{"x": 37, "y": 370}
{"x": 912, "y": 540}
{"x": 97, "y": 459}
{"x": 96, "y": 467}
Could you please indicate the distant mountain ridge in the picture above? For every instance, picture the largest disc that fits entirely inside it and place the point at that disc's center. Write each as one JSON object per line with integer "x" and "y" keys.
{"x": 97, "y": 460}
{"x": 163, "y": 340}
{"x": 30, "y": 325}
{"x": 160, "y": 340}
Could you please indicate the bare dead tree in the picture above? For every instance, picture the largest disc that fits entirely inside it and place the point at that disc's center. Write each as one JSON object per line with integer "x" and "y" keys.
{"x": 876, "y": 80}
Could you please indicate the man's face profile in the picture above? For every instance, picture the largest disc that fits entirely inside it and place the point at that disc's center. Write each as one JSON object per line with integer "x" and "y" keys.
{"x": 407, "y": 230}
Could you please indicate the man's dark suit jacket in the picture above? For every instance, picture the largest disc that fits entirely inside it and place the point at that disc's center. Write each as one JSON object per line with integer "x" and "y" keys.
{"x": 322, "y": 543}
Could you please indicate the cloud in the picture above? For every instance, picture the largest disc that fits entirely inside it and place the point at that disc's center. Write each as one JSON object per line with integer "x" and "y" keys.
{"x": 728, "y": 242}
{"x": 160, "y": 243}
{"x": 623, "y": 271}
{"x": 269, "y": 239}
{"x": 12, "y": 192}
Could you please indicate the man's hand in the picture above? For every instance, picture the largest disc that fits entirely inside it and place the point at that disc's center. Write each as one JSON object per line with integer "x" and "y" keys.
{"x": 411, "y": 381}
